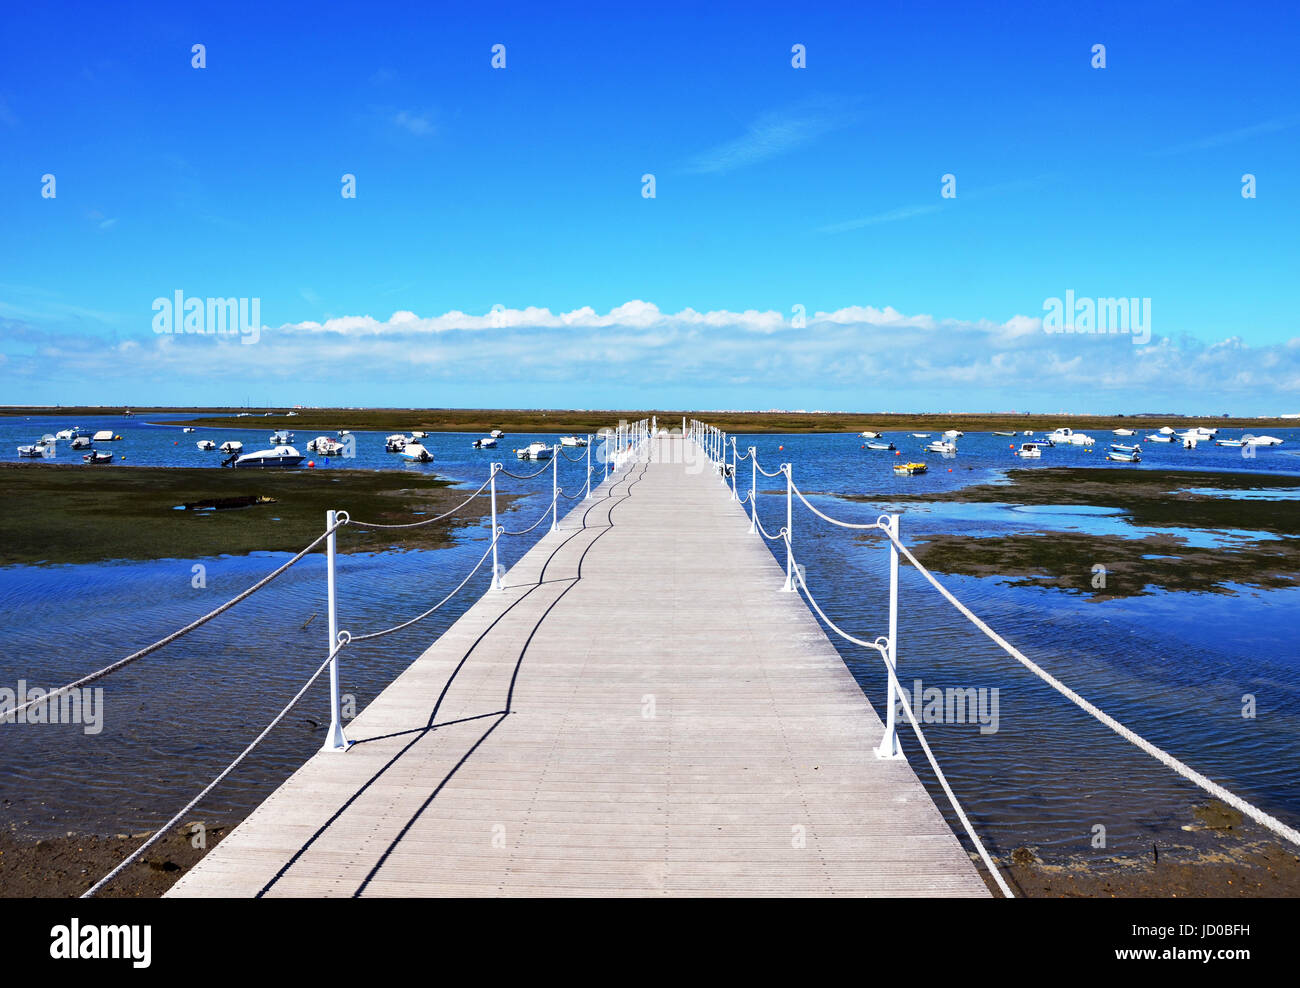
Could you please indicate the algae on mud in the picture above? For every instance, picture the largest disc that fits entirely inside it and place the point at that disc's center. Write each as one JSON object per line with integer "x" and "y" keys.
{"x": 56, "y": 513}
{"x": 1151, "y": 499}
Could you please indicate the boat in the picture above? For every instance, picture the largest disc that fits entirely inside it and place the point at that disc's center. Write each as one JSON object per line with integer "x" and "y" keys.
{"x": 281, "y": 438}
{"x": 417, "y": 452}
{"x": 1030, "y": 451}
{"x": 942, "y": 446}
{"x": 1201, "y": 430}
{"x": 95, "y": 456}
{"x": 279, "y": 456}
{"x": 1117, "y": 457}
{"x": 496, "y": 433}
{"x": 188, "y": 428}
{"x": 869, "y": 435}
{"x": 535, "y": 451}
{"x": 1067, "y": 436}
{"x": 953, "y": 434}
{"x": 81, "y": 442}
{"x": 395, "y": 443}
{"x": 325, "y": 446}
{"x": 487, "y": 442}
{"x": 35, "y": 450}
{"x": 104, "y": 436}
{"x": 1121, "y": 448}
{"x": 1165, "y": 430}
{"x": 206, "y": 444}
{"x": 1123, "y": 432}
{"x": 66, "y": 434}
{"x": 232, "y": 446}
{"x": 1157, "y": 438}
{"x": 909, "y": 469}
{"x": 573, "y": 441}
{"x": 920, "y": 435}
{"x": 1234, "y": 443}
{"x": 881, "y": 446}
{"x": 1189, "y": 442}
{"x": 996, "y": 433}
{"x": 1027, "y": 432}
{"x": 344, "y": 432}
{"x": 1262, "y": 441}
{"x": 419, "y": 435}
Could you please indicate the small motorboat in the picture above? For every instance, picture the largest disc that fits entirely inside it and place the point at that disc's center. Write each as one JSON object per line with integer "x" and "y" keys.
{"x": 487, "y": 442}
{"x": 419, "y": 435}
{"x": 1166, "y": 431}
{"x": 1003, "y": 433}
{"x": 417, "y": 452}
{"x": 281, "y": 438}
{"x": 909, "y": 469}
{"x": 1030, "y": 451}
{"x": 188, "y": 428}
{"x": 1262, "y": 441}
{"x": 279, "y": 456}
{"x": 535, "y": 451}
{"x": 395, "y": 443}
{"x": 232, "y": 446}
{"x": 206, "y": 444}
{"x": 1068, "y": 437}
{"x": 325, "y": 446}
{"x": 943, "y": 447}
{"x": 81, "y": 442}
{"x": 105, "y": 436}
{"x": 66, "y": 434}
{"x": 496, "y": 433}
{"x": 1027, "y": 432}
{"x": 95, "y": 456}
{"x": 1234, "y": 443}
{"x": 881, "y": 446}
{"x": 1121, "y": 448}
{"x": 573, "y": 441}
{"x": 869, "y": 435}
{"x": 920, "y": 435}
{"x": 953, "y": 434}
{"x": 1157, "y": 438}
{"x": 344, "y": 432}
{"x": 1189, "y": 442}
{"x": 36, "y": 449}
{"x": 1118, "y": 457}
{"x": 1123, "y": 432}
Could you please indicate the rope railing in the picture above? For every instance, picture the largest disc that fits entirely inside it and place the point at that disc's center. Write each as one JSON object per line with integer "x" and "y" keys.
{"x": 425, "y": 521}
{"x": 888, "y": 525}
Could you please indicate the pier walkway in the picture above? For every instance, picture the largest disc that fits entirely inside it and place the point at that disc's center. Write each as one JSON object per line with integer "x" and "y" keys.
{"x": 640, "y": 711}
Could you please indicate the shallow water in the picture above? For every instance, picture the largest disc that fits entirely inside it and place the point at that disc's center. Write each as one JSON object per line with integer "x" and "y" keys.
{"x": 1173, "y": 666}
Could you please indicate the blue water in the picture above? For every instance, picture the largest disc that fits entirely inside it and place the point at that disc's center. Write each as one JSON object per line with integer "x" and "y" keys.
{"x": 1174, "y": 666}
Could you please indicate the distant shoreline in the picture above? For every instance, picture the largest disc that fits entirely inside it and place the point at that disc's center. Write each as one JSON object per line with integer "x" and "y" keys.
{"x": 589, "y": 421}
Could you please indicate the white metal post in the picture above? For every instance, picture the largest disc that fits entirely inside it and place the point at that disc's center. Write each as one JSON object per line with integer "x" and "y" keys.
{"x": 591, "y": 440}
{"x": 733, "y": 469}
{"x": 555, "y": 486}
{"x": 496, "y": 570}
{"x": 889, "y": 743}
{"x": 789, "y": 527}
{"x": 753, "y": 490}
{"x": 335, "y": 740}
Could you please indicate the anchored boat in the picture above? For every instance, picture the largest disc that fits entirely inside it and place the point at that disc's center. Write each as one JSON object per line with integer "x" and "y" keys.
{"x": 1030, "y": 451}
{"x": 487, "y": 442}
{"x": 881, "y": 446}
{"x": 909, "y": 469}
{"x": 279, "y": 456}
{"x": 417, "y": 452}
{"x": 534, "y": 451}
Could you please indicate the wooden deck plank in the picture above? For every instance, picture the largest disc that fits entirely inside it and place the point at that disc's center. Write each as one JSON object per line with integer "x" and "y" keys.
{"x": 755, "y": 776}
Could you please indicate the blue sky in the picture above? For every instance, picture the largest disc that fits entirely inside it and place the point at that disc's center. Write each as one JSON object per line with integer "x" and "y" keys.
{"x": 775, "y": 187}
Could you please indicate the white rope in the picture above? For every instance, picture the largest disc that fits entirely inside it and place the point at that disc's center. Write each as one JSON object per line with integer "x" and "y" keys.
{"x": 427, "y": 521}
{"x": 920, "y": 737}
{"x": 833, "y": 521}
{"x": 166, "y": 827}
{"x": 775, "y": 473}
{"x": 534, "y": 524}
{"x": 113, "y": 667}
{"x": 545, "y": 467}
{"x": 421, "y": 617}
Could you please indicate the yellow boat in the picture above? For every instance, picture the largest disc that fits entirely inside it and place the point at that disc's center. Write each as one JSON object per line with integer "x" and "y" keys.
{"x": 909, "y": 469}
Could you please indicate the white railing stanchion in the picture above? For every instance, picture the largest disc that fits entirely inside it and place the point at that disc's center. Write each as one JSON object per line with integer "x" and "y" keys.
{"x": 335, "y": 739}
{"x": 733, "y": 469}
{"x": 496, "y": 570}
{"x": 889, "y": 747}
{"x": 753, "y": 490}
{"x": 591, "y": 440}
{"x": 555, "y": 487}
{"x": 789, "y": 527}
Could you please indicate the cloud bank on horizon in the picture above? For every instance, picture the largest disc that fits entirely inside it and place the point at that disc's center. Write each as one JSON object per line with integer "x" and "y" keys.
{"x": 853, "y": 358}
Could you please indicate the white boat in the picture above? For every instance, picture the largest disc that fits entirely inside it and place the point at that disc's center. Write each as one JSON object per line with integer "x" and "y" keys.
{"x": 996, "y": 433}
{"x": 395, "y": 443}
{"x": 81, "y": 442}
{"x": 206, "y": 444}
{"x": 1165, "y": 430}
{"x": 279, "y": 456}
{"x": 496, "y": 433}
{"x": 1030, "y": 451}
{"x": 1156, "y": 438}
{"x": 1234, "y": 443}
{"x": 1068, "y": 437}
{"x": 534, "y": 451}
{"x": 920, "y": 435}
{"x": 105, "y": 436}
{"x": 281, "y": 438}
{"x": 1123, "y": 432}
{"x": 1262, "y": 441}
{"x": 417, "y": 452}
{"x": 1133, "y": 457}
{"x": 1189, "y": 442}
{"x": 66, "y": 434}
{"x": 1027, "y": 432}
{"x": 232, "y": 446}
{"x": 95, "y": 456}
{"x": 419, "y": 435}
{"x": 573, "y": 441}
{"x": 188, "y": 428}
{"x": 953, "y": 434}
{"x": 942, "y": 446}
{"x": 883, "y": 446}
{"x": 344, "y": 432}
{"x": 36, "y": 449}
{"x": 325, "y": 446}
{"x": 1201, "y": 430}
{"x": 1121, "y": 448}
{"x": 487, "y": 442}
{"x": 869, "y": 435}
